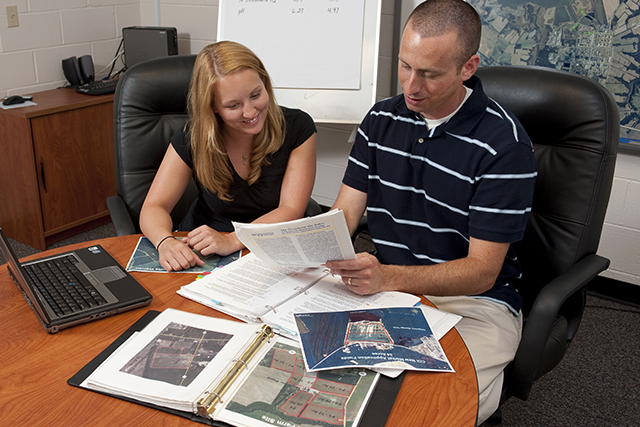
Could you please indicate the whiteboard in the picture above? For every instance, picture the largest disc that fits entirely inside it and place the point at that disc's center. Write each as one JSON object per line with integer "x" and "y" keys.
{"x": 322, "y": 55}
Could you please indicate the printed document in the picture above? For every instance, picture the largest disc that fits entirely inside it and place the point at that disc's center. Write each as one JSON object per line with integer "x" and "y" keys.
{"x": 253, "y": 290}
{"x": 306, "y": 242}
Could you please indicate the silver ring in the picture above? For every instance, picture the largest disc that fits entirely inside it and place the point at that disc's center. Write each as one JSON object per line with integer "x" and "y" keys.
{"x": 349, "y": 281}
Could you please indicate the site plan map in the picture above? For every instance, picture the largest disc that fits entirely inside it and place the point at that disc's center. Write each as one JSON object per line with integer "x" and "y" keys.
{"x": 281, "y": 392}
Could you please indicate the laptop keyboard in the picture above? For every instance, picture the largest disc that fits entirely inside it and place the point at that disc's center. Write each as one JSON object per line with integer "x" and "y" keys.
{"x": 63, "y": 286}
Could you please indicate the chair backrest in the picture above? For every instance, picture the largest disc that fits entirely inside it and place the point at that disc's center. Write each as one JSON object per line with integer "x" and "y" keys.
{"x": 149, "y": 107}
{"x": 574, "y": 124}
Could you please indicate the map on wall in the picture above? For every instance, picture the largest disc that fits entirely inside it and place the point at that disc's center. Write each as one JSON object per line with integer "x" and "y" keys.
{"x": 599, "y": 39}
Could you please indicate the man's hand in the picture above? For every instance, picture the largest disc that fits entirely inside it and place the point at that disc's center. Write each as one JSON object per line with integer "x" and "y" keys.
{"x": 471, "y": 275}
{"x": 363, "y": 275}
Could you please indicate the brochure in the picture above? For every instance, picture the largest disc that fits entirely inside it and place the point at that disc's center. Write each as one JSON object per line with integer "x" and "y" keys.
{"x": 398, "y": 337}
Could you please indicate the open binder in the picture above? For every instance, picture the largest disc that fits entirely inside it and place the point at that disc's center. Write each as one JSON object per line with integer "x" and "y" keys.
{"x": 375, "y": 411}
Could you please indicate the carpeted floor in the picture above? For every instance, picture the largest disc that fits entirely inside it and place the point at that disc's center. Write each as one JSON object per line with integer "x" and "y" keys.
{"x": 102, "y": 232}
{"x": 596, "y": 384}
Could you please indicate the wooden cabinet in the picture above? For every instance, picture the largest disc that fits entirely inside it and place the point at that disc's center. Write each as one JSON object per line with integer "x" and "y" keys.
{"x": 57, "y": 166}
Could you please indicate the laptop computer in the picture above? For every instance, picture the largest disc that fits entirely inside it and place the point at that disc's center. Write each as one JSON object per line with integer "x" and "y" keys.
{"x": 74, "y": 287}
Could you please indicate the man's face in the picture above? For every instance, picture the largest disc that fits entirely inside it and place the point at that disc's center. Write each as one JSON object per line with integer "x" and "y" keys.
{"x": 429, "y": 75}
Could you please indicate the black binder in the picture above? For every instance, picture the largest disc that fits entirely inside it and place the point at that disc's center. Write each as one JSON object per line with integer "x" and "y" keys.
{"x": 375, "y": 414}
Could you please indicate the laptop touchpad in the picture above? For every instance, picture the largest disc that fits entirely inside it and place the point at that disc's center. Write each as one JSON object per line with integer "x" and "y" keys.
{"x": 107, "y": 274}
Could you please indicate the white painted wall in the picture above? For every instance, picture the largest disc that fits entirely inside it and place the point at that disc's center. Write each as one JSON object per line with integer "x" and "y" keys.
{"x": 51, "y": 30}
{"x": 620, "y": 240}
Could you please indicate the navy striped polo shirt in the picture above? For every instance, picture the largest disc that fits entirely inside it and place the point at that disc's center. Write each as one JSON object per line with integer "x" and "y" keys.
{"x": 430, "y": 190}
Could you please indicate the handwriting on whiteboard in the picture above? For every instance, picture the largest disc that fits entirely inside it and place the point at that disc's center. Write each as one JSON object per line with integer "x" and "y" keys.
{"x": 304, "y": 44}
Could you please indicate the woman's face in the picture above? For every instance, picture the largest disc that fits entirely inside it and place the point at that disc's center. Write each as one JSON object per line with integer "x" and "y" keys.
{"x": 241, "y": 100}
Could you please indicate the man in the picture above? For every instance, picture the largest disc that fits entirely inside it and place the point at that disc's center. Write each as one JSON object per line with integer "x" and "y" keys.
{"x": 446, "y": 176}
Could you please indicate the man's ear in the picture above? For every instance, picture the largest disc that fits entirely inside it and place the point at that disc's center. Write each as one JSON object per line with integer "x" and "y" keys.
{"x": 469, "y": 68}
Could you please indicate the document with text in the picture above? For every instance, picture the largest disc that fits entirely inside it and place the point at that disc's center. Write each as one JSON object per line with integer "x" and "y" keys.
{"x": 253, "y": 290}
{"x": 306, "y": 242}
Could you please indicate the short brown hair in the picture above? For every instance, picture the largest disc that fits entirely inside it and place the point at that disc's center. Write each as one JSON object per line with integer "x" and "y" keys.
{"x": 437, "y": 17}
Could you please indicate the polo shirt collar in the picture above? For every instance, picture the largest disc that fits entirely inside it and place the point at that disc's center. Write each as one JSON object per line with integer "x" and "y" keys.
{"x": 465, "y": 120}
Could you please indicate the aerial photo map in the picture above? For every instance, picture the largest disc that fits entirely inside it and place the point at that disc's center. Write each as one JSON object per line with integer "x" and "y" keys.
{"x": 398, "y": 337}
{"x": 177, "y": 355}
{"x": 145, "y": 258}
{"x": 598, "y": 39}
{"x": 281, "y": 392}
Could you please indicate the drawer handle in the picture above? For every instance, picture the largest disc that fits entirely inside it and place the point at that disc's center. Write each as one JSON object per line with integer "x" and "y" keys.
{"x": 44, "y": 182}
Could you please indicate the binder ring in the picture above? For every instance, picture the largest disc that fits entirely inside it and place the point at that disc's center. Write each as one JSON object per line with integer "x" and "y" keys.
{"x": 271, "y": 308}
{"x": 241, "y": 361}
{"x": 218, "y": 396}
{"x": 301, "y": 289}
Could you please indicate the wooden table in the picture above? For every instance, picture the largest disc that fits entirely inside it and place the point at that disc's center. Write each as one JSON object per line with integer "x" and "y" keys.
{"x": 35, "y": 365}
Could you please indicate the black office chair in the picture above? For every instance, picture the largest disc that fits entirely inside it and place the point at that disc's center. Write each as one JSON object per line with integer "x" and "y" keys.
{"x": 149, "y": 107}
{"x": 574, "y": 124}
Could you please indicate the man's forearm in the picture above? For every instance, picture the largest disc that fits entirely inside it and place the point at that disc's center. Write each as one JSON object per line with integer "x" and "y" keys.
{"x": 471, "y": 275}
{"x": 453, "y": 278}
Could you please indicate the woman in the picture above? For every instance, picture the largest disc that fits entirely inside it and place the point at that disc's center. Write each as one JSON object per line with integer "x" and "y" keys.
{"x": 253, "y": 161}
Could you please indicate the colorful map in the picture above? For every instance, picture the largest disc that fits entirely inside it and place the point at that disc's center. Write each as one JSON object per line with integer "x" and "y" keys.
{"x": 599, "y": 39}
{"x": 145, "y": 258}
{"x": 398, "y": 337}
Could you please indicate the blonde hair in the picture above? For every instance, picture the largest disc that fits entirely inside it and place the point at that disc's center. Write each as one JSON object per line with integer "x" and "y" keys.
{"x": 210, "y": 160}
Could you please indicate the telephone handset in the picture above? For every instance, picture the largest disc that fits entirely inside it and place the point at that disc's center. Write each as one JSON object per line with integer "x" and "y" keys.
{"x": 78, "y": 71}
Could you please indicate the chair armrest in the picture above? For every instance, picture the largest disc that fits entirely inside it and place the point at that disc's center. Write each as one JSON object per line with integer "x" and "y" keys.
{"x": 543, "y": 314}
{"x": 120, "y": 216}
{"x": 313, "y": 208}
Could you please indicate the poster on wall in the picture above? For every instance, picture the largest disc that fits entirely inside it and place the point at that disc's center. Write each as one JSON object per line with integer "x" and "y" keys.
{"x": 599, "y": 39}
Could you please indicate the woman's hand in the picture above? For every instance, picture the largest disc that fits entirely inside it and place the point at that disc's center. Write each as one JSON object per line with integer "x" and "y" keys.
{"x": 208, "y": 241}
{"x": 175, "y": 255}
